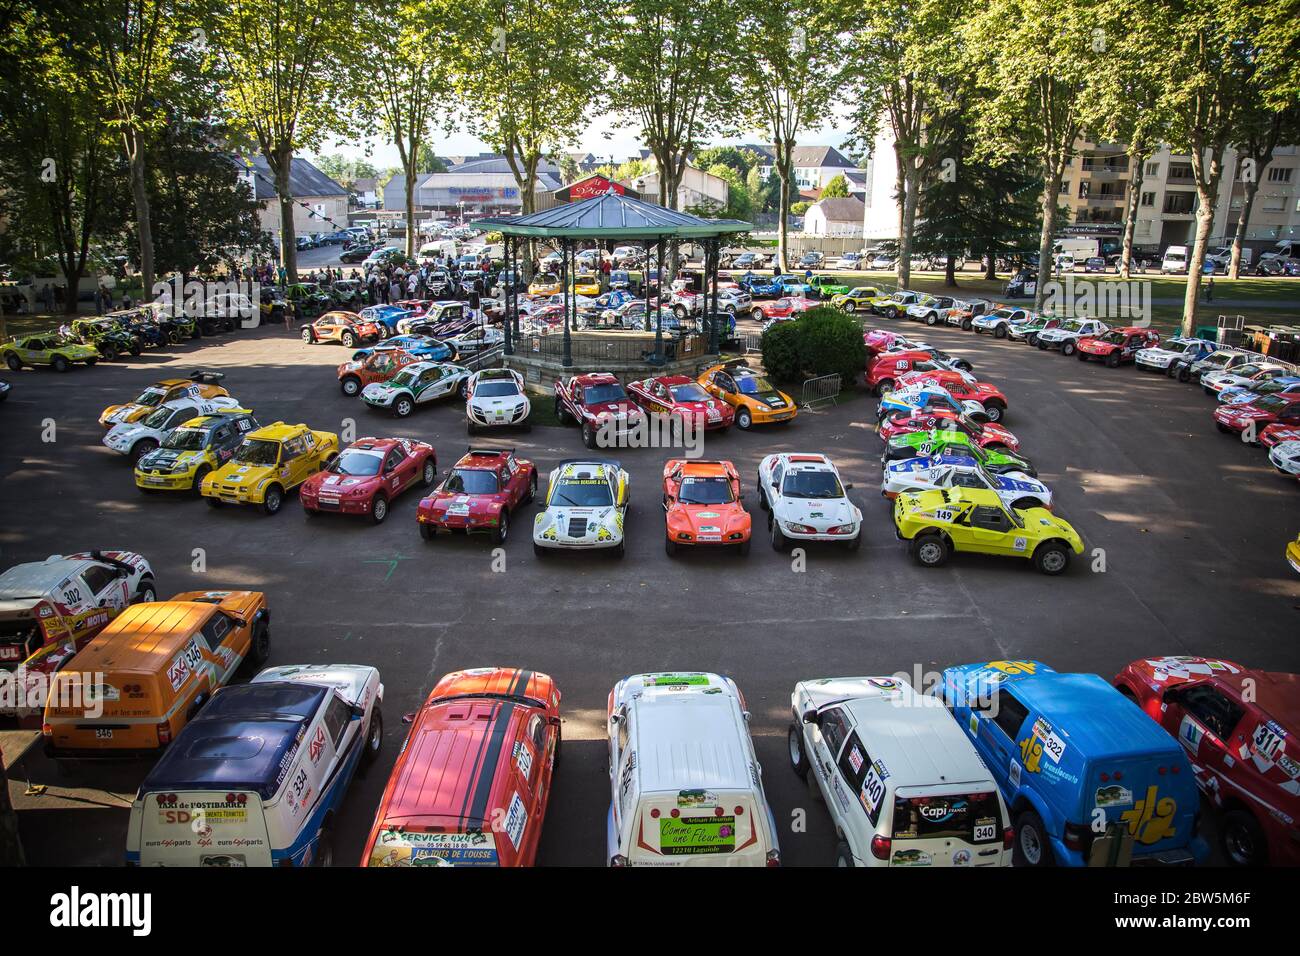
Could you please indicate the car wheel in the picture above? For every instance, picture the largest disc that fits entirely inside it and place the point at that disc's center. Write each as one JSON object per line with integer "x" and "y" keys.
{"x": 999, "y": 331}
{"x": 374, "y": 737}
{"x": 756, "y": 315}
{"x": 794, "y": 746}
{"x": 379, "y": 510}
{"x": 1083, "y": 356}
{"x": 930, "y": 550}
{"x": 670, "y": 547}
{"x": 1067, "y": 348}
{"x": 1184, "y": 374}
{"x": 146, "y": 592}
{"x": 90, "y": 362}
{"x": 503, "y": 528}
{"x": 324, "y": 855}
{"x": 539, "y": 551}
{"x": 588, "y": 435}
{"x": 1031, "y": 847}
{"x": 1112, "y": 360}
{"x": 274, "y": 498}
{"x": 1243, "y": 839}
{"x": 351, "y": 385}
{"x": 427, "y": 531}
{"x": 994, "y": 411}
{"x": 307, "y": 336}
{"x": 1031, "y": 339}
{"x": 967, "y": 325}
{"x": 403, "y": 407}
{"x": 14, "y": 362}
{"x": 779, "y": 541}
{"x": 560, "y": 414}
{"x": 430, "y": 472}
{"x": 843, "y": 855}
{"x": 60, "y": 363}
{"x": 532, "y": 489}
{"x": 213, "y": 502}
{"x": 1052, "y": 557}
{"x": 1020, "y": 504}
{"x": 850, "y": 307}
{"x": 349, "y": 340}
{"x": 931, "y": 318}
{"x": 744, "y": 419}
{"x": 260, "y": 647}
{"x": 884, "y": 385}
{"x": 854, "y": 543}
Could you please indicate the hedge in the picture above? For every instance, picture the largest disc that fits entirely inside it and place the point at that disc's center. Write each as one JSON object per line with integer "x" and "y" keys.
{"x": 822, "y": 341}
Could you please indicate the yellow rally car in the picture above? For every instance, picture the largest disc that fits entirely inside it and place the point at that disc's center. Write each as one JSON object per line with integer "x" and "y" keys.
{"x": 856, "y": 299}
{"x": 974, "y": 519}
{"x": 756, "y": 400}
{"x": 199, "y": 385}
{"x": 187, "y": 454}
{"x": 587, "y": 284}
{"x": 544, "y": 283}
{"x": 1293, "y": 554}
{"x": 270, "y": 462}
{"x": 48, "y": 348}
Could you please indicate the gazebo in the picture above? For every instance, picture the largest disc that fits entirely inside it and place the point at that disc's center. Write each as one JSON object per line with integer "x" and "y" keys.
{"x": 603, "y": 221}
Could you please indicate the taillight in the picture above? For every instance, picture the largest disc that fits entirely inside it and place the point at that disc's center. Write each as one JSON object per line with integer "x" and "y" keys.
{"x": 773, "y": 857}
{"x": 1008, "y": 838}
{"x": 880, "y": 847}
{"x": 164, "y": 733}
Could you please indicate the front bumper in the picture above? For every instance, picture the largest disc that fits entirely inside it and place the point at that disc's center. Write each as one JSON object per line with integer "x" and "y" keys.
{"x": 1161, "y": 362}
{"x": 820, "y": 535}
{"x": 232, "y": 494}
{"x": 336, "y": 505}
{"x": 493, "y": 418}
{"x": 1281, "y": 464}
{"x": 459, "y": 524}
{"x": 164, "y": 481}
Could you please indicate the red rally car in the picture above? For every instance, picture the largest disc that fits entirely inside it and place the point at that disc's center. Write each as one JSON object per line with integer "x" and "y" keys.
{"x": 1277, "y": 433}
{"x": 1240, "y": 728}
{"x": 962, "y": 387}
{"x": 478, "y": 495}
{"x": 594, "y": 401}
{"x": 1117, "y": 345}
{"x": 884, "y": 370}
{"x": 987, "y": 435}
{"x": 702, "y": 505}
{"x": 1254, "y": 417}
{"x": 378, "y": 365}
{"x": 682, "y": 397}
{"x": 473, "y": 781}
{"x": 367, "y": 475}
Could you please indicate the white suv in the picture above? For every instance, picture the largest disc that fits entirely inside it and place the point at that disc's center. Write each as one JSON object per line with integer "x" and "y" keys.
{"x": 806, "y": 501}
{"x": 1066, "y": 335}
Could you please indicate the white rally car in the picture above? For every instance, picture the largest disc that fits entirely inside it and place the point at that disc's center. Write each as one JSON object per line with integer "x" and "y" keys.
{"x": 417, "y": 384}
{"x": 137, "y": 439}
{"x": 1170, "y": 350}
{"x": 1243, "y": 376}
{"x": 806, "y": 501}
{"x": 1015, "y": 488}
{"x": 1285, "y": 457}
{"x": 586, "y": 504}
{"x": 1066, "y": 335}
{"x": 496, "y": 397}
{"x": 999, "y": 321}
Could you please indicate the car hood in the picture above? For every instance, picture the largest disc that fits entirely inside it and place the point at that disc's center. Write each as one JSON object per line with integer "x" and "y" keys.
{"x": 124, "y": 433}
{"x": 237, "y": 473}
{"x": 165, "y": 458}
{"x": 834, "y": 510}
{"x": 329, "y": 481}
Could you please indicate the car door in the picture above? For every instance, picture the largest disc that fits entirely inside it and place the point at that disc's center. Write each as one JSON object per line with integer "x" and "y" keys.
{"x": 399, "y": 469}
{"x": 826, "y": 741}
{"x": 1204, "y": 719}
{"x": 997, "y": 724}
{"x": 106, "y": 587}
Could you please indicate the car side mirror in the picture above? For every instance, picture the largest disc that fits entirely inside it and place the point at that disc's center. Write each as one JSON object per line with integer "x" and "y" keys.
{"x": 811, "y": 716}
{"x": 849, "y": 486}
{"x": 358, "y": 711}
{"x": 240, "y": 622}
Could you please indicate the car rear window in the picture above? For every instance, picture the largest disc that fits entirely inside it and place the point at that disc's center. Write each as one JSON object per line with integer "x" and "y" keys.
{"x": 975, "y": 817}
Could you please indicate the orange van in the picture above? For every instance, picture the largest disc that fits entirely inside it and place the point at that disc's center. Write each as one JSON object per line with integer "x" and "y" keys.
{"x": 139, "y": 681}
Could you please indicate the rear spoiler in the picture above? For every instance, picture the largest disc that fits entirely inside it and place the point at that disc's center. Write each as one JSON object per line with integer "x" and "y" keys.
{"x": 206, "y": 376}
{"x": 490, "y": 451}
{"x": 593, "y": 460}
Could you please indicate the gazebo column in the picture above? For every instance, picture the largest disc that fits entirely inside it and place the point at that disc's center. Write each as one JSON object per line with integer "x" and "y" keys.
{"x": 508, "y": 295}
{"x": 645, "y": 278}
{"x": 565, "y": 246}
{"x": 711, "y": 248}
{"x": 659, "y": 306}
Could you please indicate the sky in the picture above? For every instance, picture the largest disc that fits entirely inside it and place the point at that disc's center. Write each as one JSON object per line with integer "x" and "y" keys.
{"x": 601, "y": 138}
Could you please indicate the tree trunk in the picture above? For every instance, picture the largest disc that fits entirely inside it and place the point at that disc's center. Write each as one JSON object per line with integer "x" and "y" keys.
{"x": 281, "y": 162}
{"x": 783, "y": 211}
{"x": 134, "y": 143}
{"x": 72, "y": 275}
{"x": 1247, "y": 203}
{"x": 410, "y": 174}
{"x": 901, "y": 271}
{"x": 1138, "y": 159}
{"x": 991, "y": 263}
{"x": 1207, "y": 196}
{"x": 950, "y": 272}
{"x": 1051, "y": 194}
{"x": 910, "y": 200}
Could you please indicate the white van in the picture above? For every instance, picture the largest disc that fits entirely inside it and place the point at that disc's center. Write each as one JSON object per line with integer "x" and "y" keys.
{"x": 902, "y": 783}
{"x": 438, "y": 248}
{"x": 1174, "y": 261}
{"x": 686, "y": 787}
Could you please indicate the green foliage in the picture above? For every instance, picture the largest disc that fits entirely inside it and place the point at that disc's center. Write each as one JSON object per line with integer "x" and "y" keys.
{"x": 799, "y": 208}
{"x": 837, "y": 188}
{"x": 822, "y": 341}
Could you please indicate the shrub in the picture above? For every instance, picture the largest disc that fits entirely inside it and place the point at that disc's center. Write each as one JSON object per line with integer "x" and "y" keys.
{"x": 781, "y": 351}
{"x": 822, "y": 341}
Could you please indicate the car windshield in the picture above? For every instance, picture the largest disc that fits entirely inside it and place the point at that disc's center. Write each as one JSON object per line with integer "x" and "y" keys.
{"x": 1114, "y": 338}
{"x": 495, "y": 389}
{"x": 150, "y": 397}
{"x": 404, "y": 377}
{"x": 362, "y": 464}
{"x": 706, "y": 491}
{"x": 754, "y": 385}
{"x": 185, "y": 439}
{"x": 471, "y": 481}
{"x": 690, "y": 392}
{"x": 545, "y": 279}
{"x": 1218, "y": 358}
{"x": 582, "y": 493}
{"x": 1269, "y": 386}
{"x": 1001, "y": 314}
{"x": 1271, "y": 403}
{"x": 811, "y": 484}
{"x": 258, "y": 451}
{"x": 595, "y": 394}
{"x": 158, "y": 418}
{"x": 1071, "y": 325}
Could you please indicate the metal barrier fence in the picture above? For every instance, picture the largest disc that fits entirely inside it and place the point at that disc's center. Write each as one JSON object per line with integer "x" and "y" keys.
{"x": 487, "y": 358}
{"x": 751, "y": 342}
{"x": 824, "y": 388}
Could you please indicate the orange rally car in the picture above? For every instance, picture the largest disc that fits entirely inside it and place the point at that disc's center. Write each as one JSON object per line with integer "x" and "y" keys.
{"x": 702, "y": 501}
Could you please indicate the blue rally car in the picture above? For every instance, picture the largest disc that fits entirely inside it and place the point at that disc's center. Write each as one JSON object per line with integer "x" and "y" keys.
{"x": 256, "y": 778}
{"x": 1089, "y": 779}
{"x": 424, "y": 347}
{"x": 386, "y": 316}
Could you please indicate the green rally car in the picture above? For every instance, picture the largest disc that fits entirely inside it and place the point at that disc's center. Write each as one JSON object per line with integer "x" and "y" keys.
{"x": 940, "y": 441}
{"x": 46, "y": 348}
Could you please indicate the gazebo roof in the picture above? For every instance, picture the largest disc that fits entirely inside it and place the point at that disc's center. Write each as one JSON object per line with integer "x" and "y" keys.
{"x": 612, "y": 216}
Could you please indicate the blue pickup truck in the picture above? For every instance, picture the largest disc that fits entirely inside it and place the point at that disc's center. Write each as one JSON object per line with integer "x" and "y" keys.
{"x": 1089, "y": 779}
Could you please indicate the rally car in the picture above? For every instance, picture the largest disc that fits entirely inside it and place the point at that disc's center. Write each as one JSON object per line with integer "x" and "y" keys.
{"x": 919, "y": 398}
{"x": 417, "y": 384}
{"x": 1015, "y": 489}
{"x": 806, "y": 501}
{"x": 436, "y": 319}
{"x": 47, "y": 348}
{"x": 877, "y": 341}
{"x": 781, "y": 310}
{"x": 1243, "y": 376}
{"x": 476, "y": 340}
{"x": 856, "y": 299}
{"x": 1282, "y": 385}
{"x": 828, "y": 287}
{"x": 962, "y": 386}
{"x": 757, "y": 285}
{"x": 999, "y": 321}
{"x": 544, "y": 283}
{"x": 345, "y": 327}
{"x": 1222, "y": 359}
{"x": 193, "y": 449}
{"x": 629, "y": 314}
{"x": 51, "y": 609}
{"x": 424, "y": 347}
{"x": 683, "y": 398}
{"x": 755, "y": 399}
{"x": 1250, "y": 418}
{"x": 1029, "y": 330}
{"x": 478, "y": 495}
{"x": 930, "y": 309}
{"x": 1237, "y": 725}
{"x": 894, "y": 305}
{"x": 1116, "y": 346}
{"x": 586, "y": 283}
{"x": 586, "y": 505}
{"x": 1066, "y": 336}
{"x": 702, "y": 505}
{"x": 598, "y": 403}
{"x": 495, "y": 397}
{"x": 258, "y": 777}
{"x": 985, "y": 434}
{"x": 270, "y": 462}
{"x": 200, "y": 385}
{"x": 136, "y": 439}
{"x": 1173, "y": 351}
{"x": 1277, "y": 433}
{"x": 945, "y": 441}
{"x": 1293, "y": 554}
{"x": 385, "y": 318}
{"x": 1285, "y": 457}
{"x": 939, "y": 522}
{"x": 370, "y": 366}
{"x": 365, "y": 477}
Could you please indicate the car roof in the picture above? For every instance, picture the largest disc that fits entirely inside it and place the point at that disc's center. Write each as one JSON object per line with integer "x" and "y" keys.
{"x": 806, "y": 461}
{"x": 241, "y": 739}
{"x": 278, "y": 431}
{"x": 35, "y": 578}
{"x": 580, "y": 467}
{"x": 372, "y": 444}
{"x": 486, "y": 458}
{"x": 213, "y": 419}
{"x": 914, "y": 737}
{"x": 137, "y": 639}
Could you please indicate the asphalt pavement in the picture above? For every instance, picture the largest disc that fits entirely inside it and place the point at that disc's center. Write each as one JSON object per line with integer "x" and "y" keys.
{"x": 1185, "y": 530}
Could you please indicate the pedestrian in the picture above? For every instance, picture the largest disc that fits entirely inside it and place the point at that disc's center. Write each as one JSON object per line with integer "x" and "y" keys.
{"x": 99, "y": 300}
{"x": 290, "y": 315}
{"x": 126, "y": 301}
{"x": 47, "y": 297}
{"x": 1209, "y": 290}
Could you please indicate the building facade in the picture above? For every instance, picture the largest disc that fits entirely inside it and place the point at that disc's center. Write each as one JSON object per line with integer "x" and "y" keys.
{"x": 320, "y": 204}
